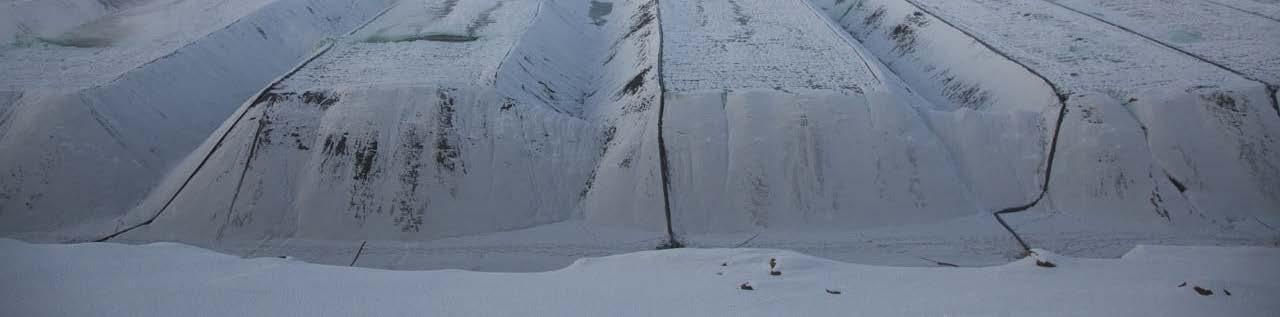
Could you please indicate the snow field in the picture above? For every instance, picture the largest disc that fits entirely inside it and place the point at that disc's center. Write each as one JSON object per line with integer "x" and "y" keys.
{"x": 167, "y": 279}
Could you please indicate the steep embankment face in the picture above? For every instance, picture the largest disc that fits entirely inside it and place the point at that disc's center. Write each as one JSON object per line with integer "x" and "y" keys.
{"x": 626, "y": 187}
{"x": 92, "y": 116}
{"x": 797, "y": 134}
{"x": 469, "y": 119}
{"x": 1155, "y": 130}
{"x": 418, "y": 152}
{"x": 835, "y": 127}
{"x": 996, "y": 118}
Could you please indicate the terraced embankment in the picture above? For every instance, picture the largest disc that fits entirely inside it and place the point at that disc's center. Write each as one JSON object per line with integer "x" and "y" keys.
{"x": 996, "y": 117}
{"x": 775, "y": 122}
{"x": 522, "y": 134}
{"x": 474, "y": 118}
{"x": 93, "y": 117}
{"x": 1120, "y": 159}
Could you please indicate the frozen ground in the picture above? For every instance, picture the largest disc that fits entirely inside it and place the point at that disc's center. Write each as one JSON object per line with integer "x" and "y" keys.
{"x": 174, "y": 279}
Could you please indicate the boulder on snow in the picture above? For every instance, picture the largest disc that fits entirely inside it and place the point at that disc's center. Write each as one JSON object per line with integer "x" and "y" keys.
{"x": 1202, "y": 291}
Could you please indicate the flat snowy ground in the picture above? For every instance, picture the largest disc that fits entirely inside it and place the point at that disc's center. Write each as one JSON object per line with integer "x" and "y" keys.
{"x": 166, "y": 279}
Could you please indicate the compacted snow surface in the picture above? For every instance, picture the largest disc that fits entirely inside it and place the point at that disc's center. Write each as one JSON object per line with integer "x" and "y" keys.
{"x": 167, "y": 279}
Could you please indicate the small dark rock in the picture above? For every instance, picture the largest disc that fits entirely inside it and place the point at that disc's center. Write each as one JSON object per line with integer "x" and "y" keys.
{"x": 719, "y": 273}
{"x": 833, "y": 292}
{"x": 1184, "y": 284}
{"x": 1202, "y": 291}
{"x": 1225, "y": 291}
{"x": 775, "y": 273}
{"x": 1043, "y": 263}
{"x": 724, "y": 264}
{"x": 746, "y": 287}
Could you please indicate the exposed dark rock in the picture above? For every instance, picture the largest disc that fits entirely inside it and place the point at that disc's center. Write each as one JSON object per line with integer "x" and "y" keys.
{"x": 319, "y": 98}
{"x": 1202, "y": 291}
{"x": 364, "y": 160}
{"x": 633, "y": 86}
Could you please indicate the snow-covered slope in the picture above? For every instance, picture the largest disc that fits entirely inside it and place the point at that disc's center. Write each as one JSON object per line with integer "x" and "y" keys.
{"x": 856, "y": 129}
{"x": 23, "y": 21}
{"x": 91, "y": 117}
{"x": 469, "y": 119}
{"x": 996, "y": 117}
{"x": 1237, "y": 40}
{"x": 1263, "y": 8}
{"x": 381, "y": 138}
{"x": 1143, "y": 118}
{"x": 626, "y": 185}
{"x": 775, "y": 121}
{"x": 167, "y": 279}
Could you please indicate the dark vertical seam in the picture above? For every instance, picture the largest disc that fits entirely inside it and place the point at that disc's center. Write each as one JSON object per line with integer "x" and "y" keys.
{"x": 358, "y": 252}
{"x": 662, "y": 145}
